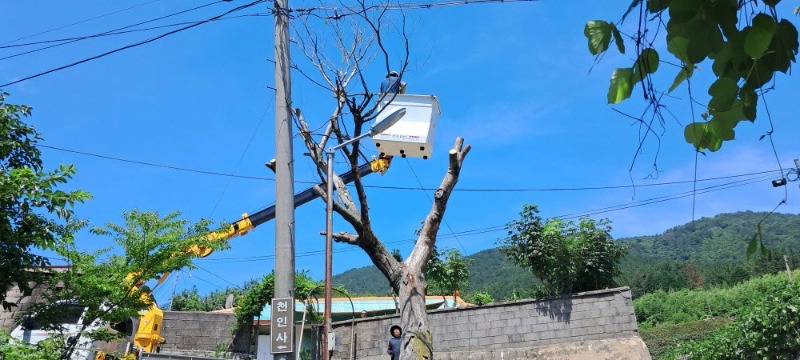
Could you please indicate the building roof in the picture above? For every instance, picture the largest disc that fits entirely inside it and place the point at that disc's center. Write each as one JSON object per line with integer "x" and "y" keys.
{"x": 343, "y": 308}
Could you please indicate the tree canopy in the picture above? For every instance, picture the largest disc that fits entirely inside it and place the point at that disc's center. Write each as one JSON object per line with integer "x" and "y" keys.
{"x": 109, "y": 286}
{"x": 34, "y": 213}
{"x": 567, "y": 257}
{"x": 746, "y": 43}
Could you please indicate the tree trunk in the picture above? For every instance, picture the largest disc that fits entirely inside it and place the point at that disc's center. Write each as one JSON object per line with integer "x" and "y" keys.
{"x": 417, "y": 338}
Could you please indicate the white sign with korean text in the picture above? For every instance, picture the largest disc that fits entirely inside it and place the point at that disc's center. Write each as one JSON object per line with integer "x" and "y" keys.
{"x": 282, "y": 326}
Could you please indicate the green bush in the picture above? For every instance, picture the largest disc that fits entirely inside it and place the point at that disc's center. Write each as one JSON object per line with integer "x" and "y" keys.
{"x": 662, "y": 338}
{"x": 675, "y": 307}
{"x": 479, "y": 298}
{"x": 768, "y": 329}
{"x": 13, "y": 349}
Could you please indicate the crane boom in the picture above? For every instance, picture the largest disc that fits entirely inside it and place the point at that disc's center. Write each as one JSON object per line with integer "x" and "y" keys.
{"x": 147, "y": 337}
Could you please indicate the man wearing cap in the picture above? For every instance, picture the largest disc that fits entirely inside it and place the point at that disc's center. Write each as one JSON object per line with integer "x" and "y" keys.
{"x": 392, "y": 84}
{"x": 394, "y": 342}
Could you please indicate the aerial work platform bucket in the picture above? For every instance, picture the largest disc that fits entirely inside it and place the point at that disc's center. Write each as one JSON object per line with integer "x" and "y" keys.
{"x": 413, "y": 134}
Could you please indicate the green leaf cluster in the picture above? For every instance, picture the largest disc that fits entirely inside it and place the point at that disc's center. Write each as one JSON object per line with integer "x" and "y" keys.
{"x": 661, "y": 339}
{"x": 746, "y": 48}
{"x": 447, "y": 273}
{"x": 34, "y": 212}
{"x": 767, "y": 327}
{"x": 109, "y": 286}
{"x": 14, "y": 349}
{"x": 567, "y": 257}
{"x": 479, "y": 298}
{"x": 261, "y": 293}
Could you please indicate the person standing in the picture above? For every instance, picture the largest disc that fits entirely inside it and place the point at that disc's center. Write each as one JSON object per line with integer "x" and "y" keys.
{"x": 394, "y": 342}
{"x": 393, "y": 84}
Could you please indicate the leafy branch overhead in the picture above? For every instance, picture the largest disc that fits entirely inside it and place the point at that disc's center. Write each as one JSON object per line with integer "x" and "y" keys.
{"x": 746, "y": 43}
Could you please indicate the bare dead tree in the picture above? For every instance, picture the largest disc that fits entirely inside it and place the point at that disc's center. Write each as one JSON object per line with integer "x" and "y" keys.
{"x": 354, "y": 38}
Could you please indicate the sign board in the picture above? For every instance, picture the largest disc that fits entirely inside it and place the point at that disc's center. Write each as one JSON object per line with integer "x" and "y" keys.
{"x": 282, "y": 326}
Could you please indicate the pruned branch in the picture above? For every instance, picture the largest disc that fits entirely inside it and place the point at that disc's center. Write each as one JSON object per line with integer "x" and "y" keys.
{"x": 427, "y": 235}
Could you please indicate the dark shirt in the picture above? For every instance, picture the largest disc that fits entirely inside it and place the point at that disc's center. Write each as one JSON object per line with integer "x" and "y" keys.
{"x": 394, "y": 348}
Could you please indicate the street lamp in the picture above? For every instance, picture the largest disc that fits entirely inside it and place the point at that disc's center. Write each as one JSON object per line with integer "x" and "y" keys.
{"x": 376, "y": 129}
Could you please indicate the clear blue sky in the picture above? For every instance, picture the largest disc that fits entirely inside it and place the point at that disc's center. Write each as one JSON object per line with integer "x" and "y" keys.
{"x": 512, "y": 78}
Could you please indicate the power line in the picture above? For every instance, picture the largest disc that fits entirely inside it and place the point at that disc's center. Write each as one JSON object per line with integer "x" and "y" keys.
{"x": 111, "y": 31}
{"x": 393, "y": 7}
{"x": 497, "y": 228}
{"x": 431, "y": 201}
{"x": 205, "y": 172}
{"x": 389, "y": 187}
{"x": 79, "y": 22}
{"x": 238, "y": 8}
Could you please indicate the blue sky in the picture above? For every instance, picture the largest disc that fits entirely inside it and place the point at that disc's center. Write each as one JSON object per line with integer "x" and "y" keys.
{"x": 512, "y": 78}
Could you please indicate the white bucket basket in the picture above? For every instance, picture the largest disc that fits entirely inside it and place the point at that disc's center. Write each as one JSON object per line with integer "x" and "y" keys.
{"x": 413, "y": 134}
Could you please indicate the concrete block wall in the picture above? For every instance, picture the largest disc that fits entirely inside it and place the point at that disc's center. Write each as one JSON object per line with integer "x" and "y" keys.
{"x": 201, "y": 333}
{"x": 9, "y": 318}
{"x": 519, "y": 329}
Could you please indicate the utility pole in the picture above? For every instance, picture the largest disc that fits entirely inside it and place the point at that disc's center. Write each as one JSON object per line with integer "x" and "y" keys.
{"x": 284, "y": 190}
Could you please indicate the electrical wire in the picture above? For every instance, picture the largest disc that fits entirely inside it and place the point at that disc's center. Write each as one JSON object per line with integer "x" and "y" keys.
{"x": 79, "y": 22}
{"x": 241, "y": 157}
{"x": 105, "y": 33}
{"x": 497, "y": 228}
{"x": 390, "y": 187}
{"x": 431, "y": 201}
{"x": 114, "y": 33}
{"x": 143, "y": 42}
{"x": 172, "y": 167}
{"x": 215, "y": 275}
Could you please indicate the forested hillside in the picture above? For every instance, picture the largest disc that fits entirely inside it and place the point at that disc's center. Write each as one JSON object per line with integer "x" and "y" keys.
{"x": 707, "y": 252}
{"x": 720, "y": 238}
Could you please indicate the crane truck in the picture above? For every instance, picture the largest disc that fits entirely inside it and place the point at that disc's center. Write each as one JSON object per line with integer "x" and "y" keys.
{"x": 147, "y": 337}
{"x": 148, "y": 334}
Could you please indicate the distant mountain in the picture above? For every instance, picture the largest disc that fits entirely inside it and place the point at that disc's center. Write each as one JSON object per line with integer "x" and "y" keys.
{"x": 719, "y": 239}
{"x": 490, "y": 271}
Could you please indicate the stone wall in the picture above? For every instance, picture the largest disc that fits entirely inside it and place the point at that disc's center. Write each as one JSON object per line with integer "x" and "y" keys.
{"x": 201, "y": 334}
{"x": 592, "y": 325}
{"x": 9, "y": 318}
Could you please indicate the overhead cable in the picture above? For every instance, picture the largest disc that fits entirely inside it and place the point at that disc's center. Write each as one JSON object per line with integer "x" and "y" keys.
{"x": 105, "y": 33}
{"x": 79, "y": 22}
{"x": 238, "y": 8}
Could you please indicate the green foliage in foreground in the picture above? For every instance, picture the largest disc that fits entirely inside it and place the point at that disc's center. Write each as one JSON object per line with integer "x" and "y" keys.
{"x": 767, "y": 329}
{"x": 675, "y": 307}
{"x": 34, "y": 213}
{"x": 662, "y": 338}
{"x": 14, "y": 349}
{"x": 743, "y": 43}
{"x": 262, "y": 292}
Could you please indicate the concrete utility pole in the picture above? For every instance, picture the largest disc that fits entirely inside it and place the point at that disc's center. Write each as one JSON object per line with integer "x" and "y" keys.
{"x": 284, "y": 174}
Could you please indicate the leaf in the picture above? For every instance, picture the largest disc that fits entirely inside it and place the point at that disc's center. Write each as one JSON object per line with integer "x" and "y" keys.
{"x": 621, "y": 85}
{"x": 695, "y": 134}
{"x": 632, "y": 6}
{"x": 758, "y": 36}
{"x": 749, "y": 103}
{"x": 751, "y": 248}
{"x": 647, "y": 63}
{"x": 683, "y": 10}
{"x": 783, "y": 48}
{"x": 598, "y": 32}
{"x": 770, "y": 3}
{"x": 685, "y": 73}
{"x": 723, "y": 93}
{"x": 655, "y": 6}
{"x": 618, "y": 39}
